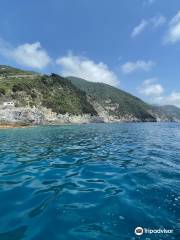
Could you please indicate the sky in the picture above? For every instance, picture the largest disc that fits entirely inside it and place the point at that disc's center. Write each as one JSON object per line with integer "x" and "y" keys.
{"x": 130, "y": 44}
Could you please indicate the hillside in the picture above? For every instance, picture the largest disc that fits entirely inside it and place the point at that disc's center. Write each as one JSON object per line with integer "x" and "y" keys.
{"x": 166, "y": 113}
{"x": 114, "y": 103}
{"x": 7, "y": 71}
{"x": 52, "y": 99}
{"x": 53, "y": 92}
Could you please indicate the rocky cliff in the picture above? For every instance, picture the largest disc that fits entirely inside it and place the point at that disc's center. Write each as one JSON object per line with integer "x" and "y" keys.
{"x": 32, "y": 98}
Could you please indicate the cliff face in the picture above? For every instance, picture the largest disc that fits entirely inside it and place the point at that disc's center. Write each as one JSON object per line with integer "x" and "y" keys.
{"x": 42, "y": 99}
{"x": 43, "y": 116}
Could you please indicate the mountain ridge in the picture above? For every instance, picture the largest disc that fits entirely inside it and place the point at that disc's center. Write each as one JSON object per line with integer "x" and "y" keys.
{"x": 53, "y": 99}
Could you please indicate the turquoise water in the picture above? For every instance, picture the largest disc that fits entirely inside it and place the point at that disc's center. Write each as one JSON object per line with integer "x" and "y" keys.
{"x": 86, "y": 182}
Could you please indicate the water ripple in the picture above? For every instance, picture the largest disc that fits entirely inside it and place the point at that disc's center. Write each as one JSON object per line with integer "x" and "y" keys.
{"x": 95, "y": 181}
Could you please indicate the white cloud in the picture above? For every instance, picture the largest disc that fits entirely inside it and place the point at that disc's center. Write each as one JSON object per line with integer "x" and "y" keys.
{"x": 155, "y": 22}
{"x": 29, "y": 55}
{"x": 139, "y": 28}
{"x": 155, "y": 93}
{"x": 82, "y": 67}
{"x": 151, "y": 89}
{"x": 172, "y": 99}
{"x": 130, "y": 67}
{"x": 173, "y": 33}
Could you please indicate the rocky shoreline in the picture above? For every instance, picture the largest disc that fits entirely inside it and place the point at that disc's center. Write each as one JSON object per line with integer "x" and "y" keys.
{"x": 10, "y": 126}
{"x": 22, "y": 117}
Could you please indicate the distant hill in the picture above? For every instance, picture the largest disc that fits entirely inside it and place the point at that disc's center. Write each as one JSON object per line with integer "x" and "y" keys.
{"x": 118, "y": 103}
{"x": 54, "y": 99}
{"x": 166, "y": 113}
{"x": 113, "y": 103}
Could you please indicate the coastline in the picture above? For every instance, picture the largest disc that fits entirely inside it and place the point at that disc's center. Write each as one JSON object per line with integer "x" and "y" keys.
{"x": 12, "y": 126}
{"x": 23, "y": 117}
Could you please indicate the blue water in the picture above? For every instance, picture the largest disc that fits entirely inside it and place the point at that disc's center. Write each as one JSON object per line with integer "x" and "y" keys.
{"x": 86, "y": 182}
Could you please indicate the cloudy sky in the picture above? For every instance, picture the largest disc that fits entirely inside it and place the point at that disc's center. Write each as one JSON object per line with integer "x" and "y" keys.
{"x": 131, "y": 44}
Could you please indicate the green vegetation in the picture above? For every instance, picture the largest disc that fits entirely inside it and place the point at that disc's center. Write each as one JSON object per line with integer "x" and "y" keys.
{"x": 62, "y": 96}
{"x": 10, "y": 71}
{"x": 110, "y": 96}
{"x": 76, "y": 96}
{"x": 53, "y": 92}
{"x": 2, "y": 91}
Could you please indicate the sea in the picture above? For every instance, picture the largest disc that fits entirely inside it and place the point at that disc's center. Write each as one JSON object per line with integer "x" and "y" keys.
{"x": 90, "y": 182}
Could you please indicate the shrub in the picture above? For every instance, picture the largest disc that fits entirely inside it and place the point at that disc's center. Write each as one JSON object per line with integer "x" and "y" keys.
{"x": 17, "y": 87}
{"x": 2, "y": 91}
